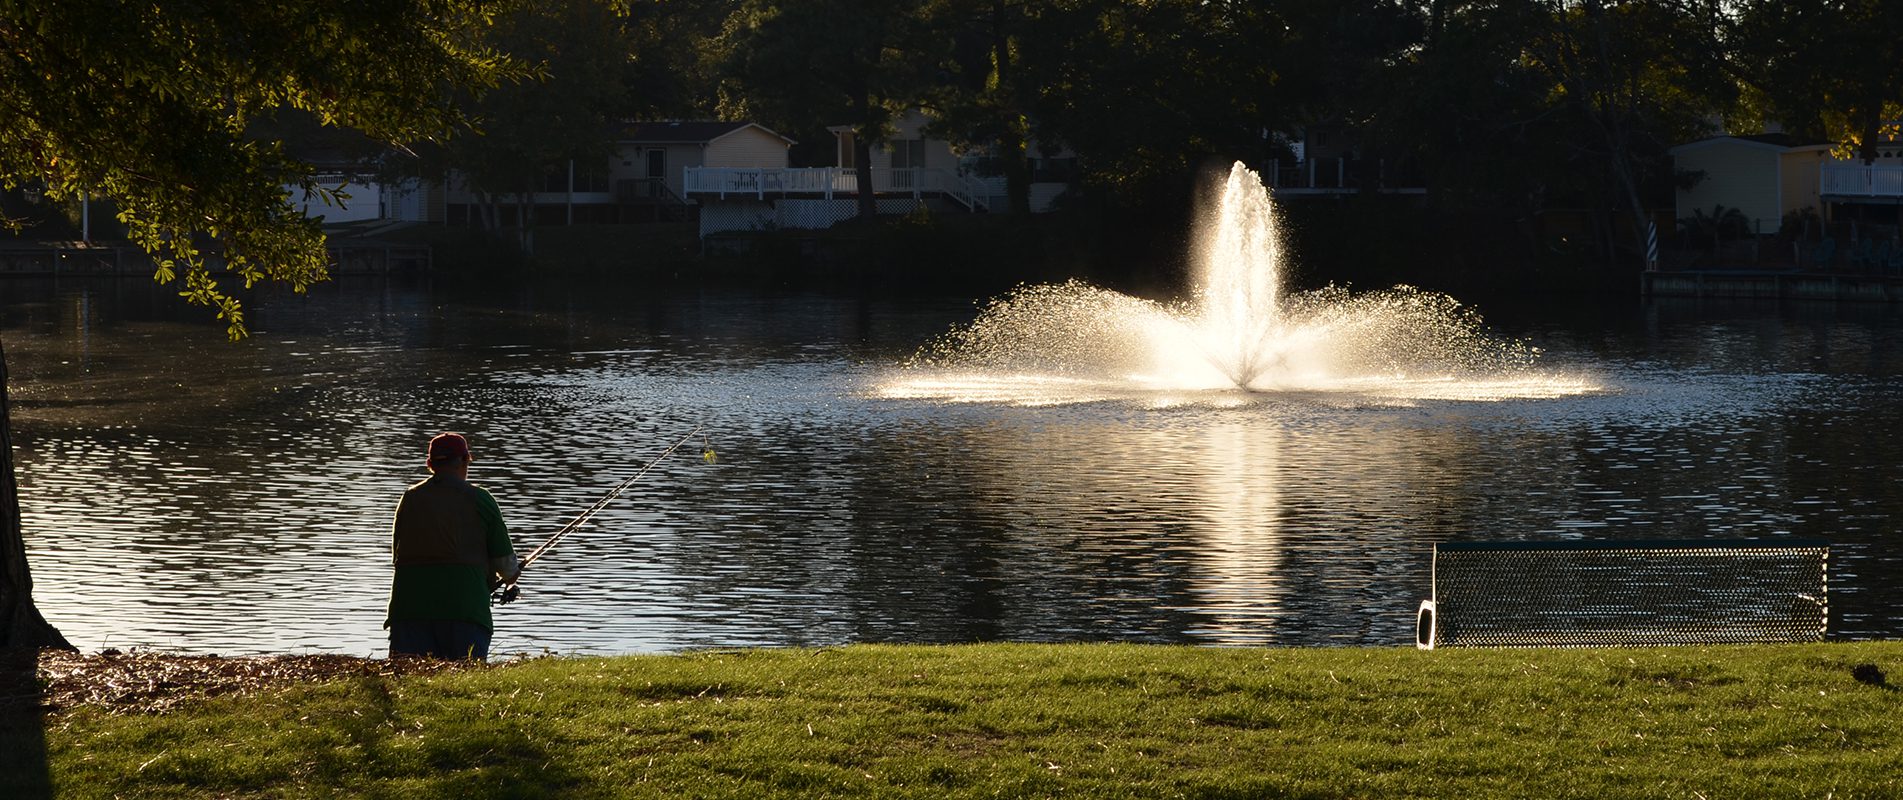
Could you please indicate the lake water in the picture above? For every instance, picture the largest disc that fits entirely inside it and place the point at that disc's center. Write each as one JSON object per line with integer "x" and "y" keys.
{"x": 190, "y": 495}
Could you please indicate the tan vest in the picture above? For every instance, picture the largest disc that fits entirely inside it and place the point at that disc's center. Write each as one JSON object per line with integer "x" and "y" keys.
{"x": 437, "y": 523}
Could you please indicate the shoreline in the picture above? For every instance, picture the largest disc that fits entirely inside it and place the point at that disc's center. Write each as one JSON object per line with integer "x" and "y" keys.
{"x": 156, "y": 681}
{"x": 1019, "y": 720}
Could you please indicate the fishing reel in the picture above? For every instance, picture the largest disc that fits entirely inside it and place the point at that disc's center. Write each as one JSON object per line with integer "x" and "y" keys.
{"x": 503, "y": 595}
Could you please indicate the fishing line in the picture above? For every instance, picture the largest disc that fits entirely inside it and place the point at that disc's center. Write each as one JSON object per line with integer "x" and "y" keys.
{"x": 511, "y": 591}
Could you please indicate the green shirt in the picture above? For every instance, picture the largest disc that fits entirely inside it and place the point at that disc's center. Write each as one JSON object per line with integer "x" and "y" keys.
{"x": 446, "y": 531}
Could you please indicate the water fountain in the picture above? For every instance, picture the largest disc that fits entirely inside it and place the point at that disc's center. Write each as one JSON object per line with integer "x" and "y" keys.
{"x": 1237, "y": 338}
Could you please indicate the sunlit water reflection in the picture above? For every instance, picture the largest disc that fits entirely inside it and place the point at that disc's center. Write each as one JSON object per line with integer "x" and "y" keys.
{"x": 185, "y": 494}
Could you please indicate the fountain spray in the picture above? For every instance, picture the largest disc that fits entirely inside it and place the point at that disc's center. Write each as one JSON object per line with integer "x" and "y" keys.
{"x": 1241, "y": 275}
{"x": 1238, "y": 335}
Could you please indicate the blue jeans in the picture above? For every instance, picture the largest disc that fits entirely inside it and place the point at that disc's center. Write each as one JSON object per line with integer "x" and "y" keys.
{"x": 454, "y": 641}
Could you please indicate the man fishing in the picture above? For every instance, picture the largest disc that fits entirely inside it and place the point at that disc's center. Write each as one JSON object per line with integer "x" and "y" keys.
{"x": 449, "y": 545}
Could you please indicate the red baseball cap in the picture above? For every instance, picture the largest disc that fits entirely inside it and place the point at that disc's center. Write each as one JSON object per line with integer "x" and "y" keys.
{"x": 448, "y": 447}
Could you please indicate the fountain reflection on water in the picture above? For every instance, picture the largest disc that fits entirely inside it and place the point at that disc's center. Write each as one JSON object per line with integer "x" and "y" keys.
{"x": 1072, "y": 342}
{"x": 1238, "y": 588}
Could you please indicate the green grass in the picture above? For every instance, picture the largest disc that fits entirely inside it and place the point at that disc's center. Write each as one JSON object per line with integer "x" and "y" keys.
{"x": 1036, "y": 721}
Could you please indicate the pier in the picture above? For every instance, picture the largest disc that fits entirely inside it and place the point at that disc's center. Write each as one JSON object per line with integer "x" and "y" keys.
{"x": 1790, "y": 285}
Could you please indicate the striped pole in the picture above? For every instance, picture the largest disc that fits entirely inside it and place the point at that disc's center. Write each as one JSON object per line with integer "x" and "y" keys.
{"x": 1651, "y": 246}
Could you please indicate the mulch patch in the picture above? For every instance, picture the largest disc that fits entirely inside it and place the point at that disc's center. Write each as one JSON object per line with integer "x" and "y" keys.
{"x": 151, "y": 683}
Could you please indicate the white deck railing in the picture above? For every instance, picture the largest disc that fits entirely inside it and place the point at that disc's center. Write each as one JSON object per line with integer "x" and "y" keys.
{"x": 1859, "y": 180}
{"x": 827, "y": 182}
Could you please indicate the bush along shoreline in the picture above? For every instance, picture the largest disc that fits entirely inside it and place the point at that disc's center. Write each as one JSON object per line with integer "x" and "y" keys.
{"x": 981, "y": 720}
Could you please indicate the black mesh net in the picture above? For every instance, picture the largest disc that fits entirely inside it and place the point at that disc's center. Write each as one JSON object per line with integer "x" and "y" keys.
{"x": 1588, "y": 594}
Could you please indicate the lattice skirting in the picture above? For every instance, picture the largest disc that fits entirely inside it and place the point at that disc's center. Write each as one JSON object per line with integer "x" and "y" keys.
{"x": 726, "y": 216}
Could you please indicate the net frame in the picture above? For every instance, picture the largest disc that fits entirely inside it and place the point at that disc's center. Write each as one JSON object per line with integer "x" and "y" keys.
{"x": 1625, "y": 593}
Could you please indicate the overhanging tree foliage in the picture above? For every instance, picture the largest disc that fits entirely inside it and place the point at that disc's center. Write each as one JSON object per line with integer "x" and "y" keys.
{"x": 148, "y": 104}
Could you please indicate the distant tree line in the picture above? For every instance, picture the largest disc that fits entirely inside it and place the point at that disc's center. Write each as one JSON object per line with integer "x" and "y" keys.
{"x": 1501, "y": 108}
{"x": 1506, "y": 106}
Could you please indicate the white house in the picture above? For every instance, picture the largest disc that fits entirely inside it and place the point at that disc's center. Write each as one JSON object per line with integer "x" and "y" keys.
{"x": 909, "y": 170}
{"x": 1764, "y": 177}
{"x": 368, "y": 199}
{"x": 909, "y": 148}
{"x": 652, "y": 158}
{"x": 733, "y": 175}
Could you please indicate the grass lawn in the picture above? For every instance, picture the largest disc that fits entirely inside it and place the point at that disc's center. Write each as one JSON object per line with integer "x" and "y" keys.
{"x": 1015, "y": 720}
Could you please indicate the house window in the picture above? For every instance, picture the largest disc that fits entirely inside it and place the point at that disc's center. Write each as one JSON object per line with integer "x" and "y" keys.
{"x": 588, "y": 180}
{"x": 908, "y": 153}
{"x": 555, "y": 179}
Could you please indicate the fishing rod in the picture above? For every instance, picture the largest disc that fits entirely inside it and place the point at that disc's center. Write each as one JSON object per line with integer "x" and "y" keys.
{"x": 508, "y": 593}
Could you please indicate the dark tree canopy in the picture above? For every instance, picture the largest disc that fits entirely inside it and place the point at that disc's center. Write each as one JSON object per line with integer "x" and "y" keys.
{"x": 1831, "y": 70}
{"x": 149, "y": 104}
{"x": 808, "y": 64}
{"x": 524, "y": 129}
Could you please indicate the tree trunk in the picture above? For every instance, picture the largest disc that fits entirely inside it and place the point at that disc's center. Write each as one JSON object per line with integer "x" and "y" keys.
{"x": 21, "y": 626}
{"x": 1011, "y": 144}
{"x": 862, "y": 167}
{"x": 1017, "y": 170}
{"x": 1642, "y": 222}
{"x": 487, "y": 213}
{"x": 525, "y": 218}
{"x": 1870, "y": 127}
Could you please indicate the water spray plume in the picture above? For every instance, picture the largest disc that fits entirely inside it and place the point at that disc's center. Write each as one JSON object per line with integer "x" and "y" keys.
{"x": 1240, "y": 270}
{"x": 1073, "y": 342}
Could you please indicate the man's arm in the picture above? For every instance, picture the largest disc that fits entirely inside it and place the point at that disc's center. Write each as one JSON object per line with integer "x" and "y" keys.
{"x": 502, "y": 560}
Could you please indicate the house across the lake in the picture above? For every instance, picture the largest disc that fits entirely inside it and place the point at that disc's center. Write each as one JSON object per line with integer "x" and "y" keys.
{"x": 1765, "y": 177}
{"x": 726, "y": 177}
{"x": 1771, "y": 215}
{"x": 1330, "y": 159}
{"x": 909, "y": 170}
{"x": 653, "y": 159}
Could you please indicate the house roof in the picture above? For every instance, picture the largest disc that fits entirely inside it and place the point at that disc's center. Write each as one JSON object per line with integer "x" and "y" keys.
{"x": 1766, "y": 141}
{"x": 684, "y": 132}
